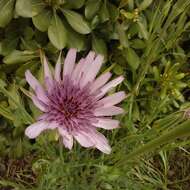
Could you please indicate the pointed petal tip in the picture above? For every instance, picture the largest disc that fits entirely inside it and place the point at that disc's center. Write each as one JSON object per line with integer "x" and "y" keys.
{"x": 67, "y": 138}
{"x": 121, "y": 78}
{"x": 34, "y": 130}
{"x": 72, "y": 51}
{"x": 100, "y": 57}
{"x": 106, "y": 149}
{"x": 27, "y": 74}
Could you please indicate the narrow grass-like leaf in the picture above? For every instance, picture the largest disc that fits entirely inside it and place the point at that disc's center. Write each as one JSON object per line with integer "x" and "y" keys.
{"x": 17, "y": 56}
{"x": 145, "y": 4}
{"x": 181, "y": 130}
{"x": 25, "y": 116}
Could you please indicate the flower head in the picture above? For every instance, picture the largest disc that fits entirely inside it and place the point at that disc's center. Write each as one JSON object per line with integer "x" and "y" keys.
{"x": 73, "y": 101}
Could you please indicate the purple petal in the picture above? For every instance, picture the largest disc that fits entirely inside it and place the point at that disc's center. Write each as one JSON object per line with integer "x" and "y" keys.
{"x": 113, "y": 99}
{"x": 35, "y": 129}
{"x": 39, "y": 103}
{"x": 86, "y": 66}
{"x": 93, "y": 70}
{"x": 36, "y": 86}
{"x": 67, "y": 138}
{"x": 106, "y": 123}
{"x": 83, "y": 138}
{"x": 47, "y": 72}
{"x": 69, "y": 62}
{"x": 41, "y": 95}
{"x": 108, "y": 111}
{"x": 58, "y": 69}
{"x": 101, "y": 143}
{"x": 110, "y": 85}
{"x": 77, "y": 71}
{"x": 100, "y": 81}
{"x": 32, "y": 81}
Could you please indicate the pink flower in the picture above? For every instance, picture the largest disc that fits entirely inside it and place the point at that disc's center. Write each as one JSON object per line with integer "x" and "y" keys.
{"x": 74, "y": 102}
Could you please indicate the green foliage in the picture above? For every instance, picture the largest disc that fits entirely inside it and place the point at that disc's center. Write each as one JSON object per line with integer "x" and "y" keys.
{"x": 145, "y": 41}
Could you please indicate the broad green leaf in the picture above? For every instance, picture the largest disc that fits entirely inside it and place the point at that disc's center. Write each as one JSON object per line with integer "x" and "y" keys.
{"x": 75, "y": 40}
{"x": 57, "y": 32}
{"x": 104, "y": 13}
{"x": 6, "y": 11}
{"x": 24, "y": 8}
{"x": 28, "y": 33}
{"x": 91, "y": 8}
{"x": 95, "y": 21}
{"x": 99, "y": 46}
{"x": 7, "y": 46}
{"x": 37, "y": 6}
{"x": 77, "y": 22}
{"x": 113, "y": 11}
{"x": 132, "y": 58}
{"x": 145, "y": 4}
{"x": 42, "y": 20}
{"x": 17, "y": 56}
{"x": 73, "y": 4}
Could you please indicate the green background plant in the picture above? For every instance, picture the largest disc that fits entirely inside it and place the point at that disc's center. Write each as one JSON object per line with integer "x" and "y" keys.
{"x": 145, "y": 41}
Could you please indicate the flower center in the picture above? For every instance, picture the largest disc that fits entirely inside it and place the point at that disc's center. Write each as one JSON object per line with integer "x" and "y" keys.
{"x": 69, "y": 104}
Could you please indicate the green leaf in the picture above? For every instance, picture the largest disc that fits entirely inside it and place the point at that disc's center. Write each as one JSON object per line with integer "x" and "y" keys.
{"x": 26, "y": 118}
{"x": 17, "y": 56}
{"x": 95, "y": 21}
{"x": 143, "y": 30}
{"x": 31, "y": 65}
{"x": 122, "y": 35}
{"x": 24, "y": 8}
{"x": 6, "y": 11}
{"x": 91, "y": 8}
{"x": 73, "y": 4}
{"x": 113, "y": 11}
{"x": 132, "y": 58}
{"x": 77, "y": 22}
{"x": 145, "y": 4}
{"x": 181, "y": 130}
{"x": 138, "y": 44}
{"x": 126, "y": 14}
{"x": 57, "y": 32}
{"x": 7, "y": 46}
{"x": 118, "y": 70}
{"x": 5, "y": 112}
{"x": 75, "y": 40}
{"x": 37, "y": 6}
{"x": 99, "y": 46}
{"x": 13, "y": 90}
{"x": 104, "y": 13}
{"x": 42, "y": 20}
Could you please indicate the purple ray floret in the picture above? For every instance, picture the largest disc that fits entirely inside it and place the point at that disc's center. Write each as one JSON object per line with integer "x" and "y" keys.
{"x": 73, "y": 101}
